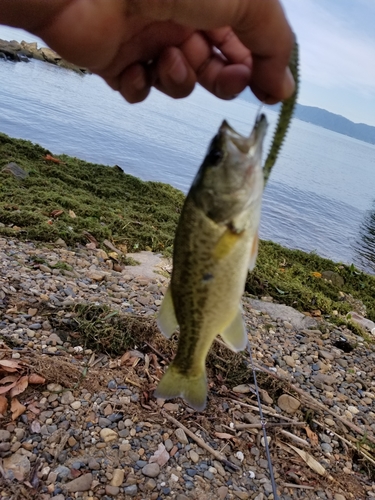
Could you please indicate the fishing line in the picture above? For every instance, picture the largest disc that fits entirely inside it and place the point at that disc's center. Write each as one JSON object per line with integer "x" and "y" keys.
{"x": 263, "y": 423}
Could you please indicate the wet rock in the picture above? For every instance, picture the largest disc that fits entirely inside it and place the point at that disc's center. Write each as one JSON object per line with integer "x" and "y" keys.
{"x": 81, "y": 483}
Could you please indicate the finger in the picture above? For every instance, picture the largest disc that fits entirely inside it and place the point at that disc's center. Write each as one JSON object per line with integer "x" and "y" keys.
{"x": 260, "y": 25}
{"x": 229, "y": 45}
{"x": 212, "y": 69}
{"x": 175, "y": 77}
{"x": 133, "y": 83}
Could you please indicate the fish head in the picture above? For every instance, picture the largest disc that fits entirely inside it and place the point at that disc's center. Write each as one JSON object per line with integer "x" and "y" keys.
{"x": 230, "y": 178}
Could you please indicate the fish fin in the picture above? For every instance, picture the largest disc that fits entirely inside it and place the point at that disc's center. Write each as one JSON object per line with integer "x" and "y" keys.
{"x": 254, "y": 252}
{"x": 176, "y": 385}
{"x": 235, "y": 335}
{"x": 167, "y": 321}
{"x": 225, "y": 244}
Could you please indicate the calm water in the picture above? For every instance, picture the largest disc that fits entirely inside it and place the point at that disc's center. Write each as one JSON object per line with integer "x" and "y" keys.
{"x": 321, "y": 194}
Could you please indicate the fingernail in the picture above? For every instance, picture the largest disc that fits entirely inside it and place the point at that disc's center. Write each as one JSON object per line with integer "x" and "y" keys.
{"x": 139, "y": 78}
{"x": 288, "y": 83}
{"x": 178, "y": 71}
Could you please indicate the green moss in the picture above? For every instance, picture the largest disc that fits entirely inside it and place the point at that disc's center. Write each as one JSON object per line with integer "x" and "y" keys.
{"x": 110, "y": 204}
{"x": 288, "y": 276}
{"x": 107, "y": 202}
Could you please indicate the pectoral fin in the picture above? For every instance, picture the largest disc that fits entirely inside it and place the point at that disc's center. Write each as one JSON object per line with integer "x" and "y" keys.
{"x": 167, "y": 321}
{"x": 254, "y": 252}
{"x": 235, "y": 335}
{"x": 225, "y": 244}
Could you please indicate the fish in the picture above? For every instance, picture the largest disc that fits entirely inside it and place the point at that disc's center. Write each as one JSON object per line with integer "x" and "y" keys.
{"x": 216, "y": 244}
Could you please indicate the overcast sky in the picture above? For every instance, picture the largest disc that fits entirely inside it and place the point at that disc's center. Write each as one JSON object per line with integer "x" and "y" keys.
{"x": 337, "y": 46}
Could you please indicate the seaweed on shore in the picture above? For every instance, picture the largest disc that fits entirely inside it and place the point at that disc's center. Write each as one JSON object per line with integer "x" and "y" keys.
{"x": 110, "y": 204}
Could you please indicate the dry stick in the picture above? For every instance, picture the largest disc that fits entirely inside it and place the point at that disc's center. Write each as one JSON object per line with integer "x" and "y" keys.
{"x": 346, "y": 441}
{"x": 242, "y": 427}
{"x": 293, "y": 437}
{"x": 200, "y": 441}
{"x": 300, "y": 486}
{"x": 311, "y": 400}
{"x": 265, "y": 410}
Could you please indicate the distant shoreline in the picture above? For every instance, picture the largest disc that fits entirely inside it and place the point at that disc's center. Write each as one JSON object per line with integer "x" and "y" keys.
{"x": 23, "y": 52}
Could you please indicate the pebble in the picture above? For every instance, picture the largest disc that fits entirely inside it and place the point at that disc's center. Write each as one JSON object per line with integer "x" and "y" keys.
{"x": 151, "y": 470}
{"x": 81, "y": 483}
{"x": 103, "y": 430}
{"x": 181, "y": 436}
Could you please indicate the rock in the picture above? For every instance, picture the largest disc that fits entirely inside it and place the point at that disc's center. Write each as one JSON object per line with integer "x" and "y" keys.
{"x": 131, "y": 491}
{"x": 150, "y": 484}
{"x": 16, "y": 466}
{"x": 278, "y": 311}
{"x": 365, "y": 323}
{"x": 320, "y": 379}
{"x": 194, "y": 457}
{"x": 353, "y": 409}
{"x": 81, "y": 483}
{"x": 16, "y": 170}
{"x": 67, "y": 398}
{"x": 112, "y": 490}
{"x": 108, "y": 435}
{"x": 118, "y": 477}
{"x": 288, "y": 403}
{"x": 151, "y": 470}
{"x": 181, "y": 436}
{"x": 222, "y": 492}
{"x": 338, "y": 496}
{"x": 4, "y": 435}
{"x": 334, "y": 278}
{"x": 76, "y": 405}
{"x": 290, "y": 361}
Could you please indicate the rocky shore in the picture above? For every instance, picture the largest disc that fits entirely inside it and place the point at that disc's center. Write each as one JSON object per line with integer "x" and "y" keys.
{"x": 24, "y": 52}
{"x": 91, "y": 429}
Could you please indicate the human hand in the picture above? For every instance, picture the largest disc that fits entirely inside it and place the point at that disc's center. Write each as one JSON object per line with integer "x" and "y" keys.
{"x": 224, "y": 45}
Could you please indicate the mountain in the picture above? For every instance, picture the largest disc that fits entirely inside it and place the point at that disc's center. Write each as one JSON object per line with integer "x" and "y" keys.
{"x": 325, "y": 119}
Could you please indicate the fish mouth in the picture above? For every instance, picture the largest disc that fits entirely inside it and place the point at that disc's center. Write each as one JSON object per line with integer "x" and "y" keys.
{"x": 247, "y": 145}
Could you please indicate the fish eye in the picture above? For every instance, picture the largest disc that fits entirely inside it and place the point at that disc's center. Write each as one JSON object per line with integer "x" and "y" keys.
{"x": 215, "y": 152}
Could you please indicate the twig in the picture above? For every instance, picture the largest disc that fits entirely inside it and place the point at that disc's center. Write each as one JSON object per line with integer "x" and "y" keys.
{"x": 266, "y": 411}
{"x": 241, "y": 427}
{"x": 157, "y": 352}
{"x": 346, "y": 441}
{"x": 219, "y": 456}
{"x": 300, "y": 486}
{"x": 295, "y": 438}
{"x": 133, "y": 383}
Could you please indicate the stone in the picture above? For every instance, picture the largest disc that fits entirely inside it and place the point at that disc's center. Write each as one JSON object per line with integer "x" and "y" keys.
{"x": 112, "y": 490}
{"x": 194, "y": 457}
{"x": 181, "y": 436}
{"x": 338, "y": 496}
{"x": 108, "y": 435}
{"x": 290, "y": 361}
{"x": 16, "y": 466}
{"x": 288, "y": 403}
{"x": 151, "y": 484}
{"x": 131, "y": 490}
{"x": 16, "y": 170}
{"x": 81, "y": 483}
{"x": 286, "y": 313}
{"x": 76, "y": 405}
{"x": 118, "y": 477}
{"x": 151, "y": 470}
{"x": 67, "y": 398}
{"x": 4, "y": 435}
{"x": 222, "y": 492}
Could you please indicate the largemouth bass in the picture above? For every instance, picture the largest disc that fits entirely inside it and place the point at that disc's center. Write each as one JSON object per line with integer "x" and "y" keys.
{"x": 216, "y": 243}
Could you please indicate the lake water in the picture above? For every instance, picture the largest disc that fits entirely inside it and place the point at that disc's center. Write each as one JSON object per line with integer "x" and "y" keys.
{"x": 321, "y": 193}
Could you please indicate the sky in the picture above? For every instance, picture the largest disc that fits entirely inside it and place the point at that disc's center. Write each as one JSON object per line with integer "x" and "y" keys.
{"x": 337, "y": 51}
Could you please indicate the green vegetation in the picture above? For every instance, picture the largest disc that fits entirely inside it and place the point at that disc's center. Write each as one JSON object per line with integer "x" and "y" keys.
{"x": 106, "y": 202}
{"x": 143, "y": 215}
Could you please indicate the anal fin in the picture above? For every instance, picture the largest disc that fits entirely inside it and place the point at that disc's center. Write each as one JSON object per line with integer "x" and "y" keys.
{"x": 235, "y": 335}
{"x": 167, "y": 321}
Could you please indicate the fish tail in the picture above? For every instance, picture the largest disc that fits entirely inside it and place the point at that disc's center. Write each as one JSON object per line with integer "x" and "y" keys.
{"x": 193, "y": 389}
